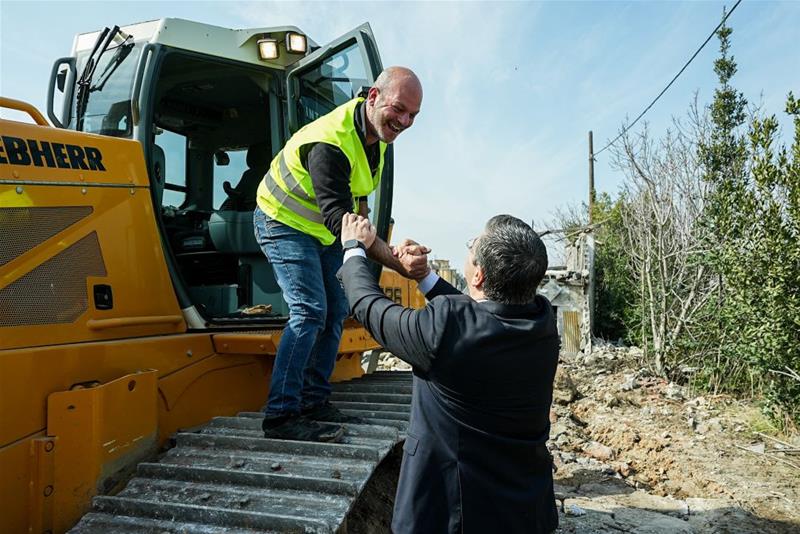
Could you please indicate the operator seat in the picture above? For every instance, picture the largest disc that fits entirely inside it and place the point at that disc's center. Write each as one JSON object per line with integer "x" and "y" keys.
{"x": 231, "y": 227}
{"x": 243, "y": 196}
{"x": 231, "y": 231}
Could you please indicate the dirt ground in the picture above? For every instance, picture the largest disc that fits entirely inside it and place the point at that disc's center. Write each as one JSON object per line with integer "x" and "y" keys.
{"x": 372, "y": 512}
{"x": 634, "y": 453}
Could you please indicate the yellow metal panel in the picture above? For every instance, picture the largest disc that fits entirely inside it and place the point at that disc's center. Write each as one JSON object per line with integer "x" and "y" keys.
{"x": 247, "y": 342}
{"x": 122, "y": 159}
{"x": 219, "y": 385}
{"x": 28, "y": 376}
{"x": 17, "y": 473}
{"x": 134, "y": 265}
{"x": 348, "y": 367}
{"x": 172, "y": 388}
{"x": 42, "y": 484}
{"x": 123, "y": 220}
{"x": 100, "y": 431}
{"x": 355, "y": 338}
{"x": 401, "y": 290}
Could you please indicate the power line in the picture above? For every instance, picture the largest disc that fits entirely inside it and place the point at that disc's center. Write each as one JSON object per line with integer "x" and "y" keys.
{"x": 673, "y": 79}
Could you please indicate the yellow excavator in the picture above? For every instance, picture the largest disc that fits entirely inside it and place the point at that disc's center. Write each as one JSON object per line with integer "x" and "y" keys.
{"x": 138, "y": 317}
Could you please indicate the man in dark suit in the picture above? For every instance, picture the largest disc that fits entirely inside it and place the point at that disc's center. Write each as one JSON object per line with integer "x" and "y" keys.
{"x": 474, "y": 459}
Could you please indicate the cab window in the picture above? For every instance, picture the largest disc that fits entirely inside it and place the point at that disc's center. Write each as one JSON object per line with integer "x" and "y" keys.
{"x": 330, "y": 84}
{"x": 108, "y": 102}
{"x": 229, "y": 167}
{"x": 173, "y": 149}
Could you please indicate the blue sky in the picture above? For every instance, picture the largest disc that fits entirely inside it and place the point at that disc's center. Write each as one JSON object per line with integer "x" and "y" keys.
{"x": 511, "y": 88}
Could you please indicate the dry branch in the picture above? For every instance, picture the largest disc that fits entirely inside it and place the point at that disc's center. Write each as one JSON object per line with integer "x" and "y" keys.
{"x": 776, "y": 440}
{"x": 783, "y": 460}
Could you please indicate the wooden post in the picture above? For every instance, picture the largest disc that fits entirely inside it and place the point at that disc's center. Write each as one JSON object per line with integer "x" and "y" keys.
{"x": 590, "y": 250}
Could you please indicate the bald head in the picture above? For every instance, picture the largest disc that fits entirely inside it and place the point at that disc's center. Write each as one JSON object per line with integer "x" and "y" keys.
{"x": 392, "y": 104}
{"x": 401, "y": 77}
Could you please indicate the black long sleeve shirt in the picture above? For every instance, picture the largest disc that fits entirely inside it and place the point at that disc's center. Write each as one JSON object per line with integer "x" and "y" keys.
{"x": 330, "y": 174}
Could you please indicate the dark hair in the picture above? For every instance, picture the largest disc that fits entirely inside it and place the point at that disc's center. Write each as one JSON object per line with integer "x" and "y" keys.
{"x": 513, "y": 259}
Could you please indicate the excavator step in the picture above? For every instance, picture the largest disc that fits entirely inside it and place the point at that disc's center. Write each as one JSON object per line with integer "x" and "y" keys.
{"x": 226, "y": 477}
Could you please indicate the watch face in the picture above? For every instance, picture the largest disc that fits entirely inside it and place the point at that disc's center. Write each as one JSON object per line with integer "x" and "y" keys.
{"x": 353, "y": 243}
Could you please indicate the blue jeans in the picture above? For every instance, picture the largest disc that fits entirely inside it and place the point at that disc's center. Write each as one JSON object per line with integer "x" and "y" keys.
{"x": 306, "y": 273}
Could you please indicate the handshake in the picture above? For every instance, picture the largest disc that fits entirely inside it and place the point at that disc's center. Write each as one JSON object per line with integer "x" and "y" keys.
{"x": 410, "y": 259}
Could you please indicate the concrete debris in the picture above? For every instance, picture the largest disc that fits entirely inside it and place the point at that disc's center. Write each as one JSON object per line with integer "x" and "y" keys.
{"x": 599, "y": 451}
{"x": 622, "y": 468}
{"x": 389, "y": 362}
{"x": 574, "y": 510}
{"x": 630, "y": 383}
{"x": 664, "y": 505}
{"x": 634, "y": 452}
{"x": 674, "y": 392}
{"x": 758, "y": 448}
{"x": 565, "y": 391}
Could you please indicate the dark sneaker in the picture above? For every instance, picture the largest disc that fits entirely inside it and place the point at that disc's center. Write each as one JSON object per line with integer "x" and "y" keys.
{"x": 299, "y": 428}
{"x": 329, "y": 413}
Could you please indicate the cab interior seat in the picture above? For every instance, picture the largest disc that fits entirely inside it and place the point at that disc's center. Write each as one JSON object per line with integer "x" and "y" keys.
{"x": 243, "y": 196}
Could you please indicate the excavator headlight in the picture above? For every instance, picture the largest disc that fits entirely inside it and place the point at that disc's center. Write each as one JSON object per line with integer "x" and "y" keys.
{"x": 296, "y": 43}
{"x": 268, "y": 48}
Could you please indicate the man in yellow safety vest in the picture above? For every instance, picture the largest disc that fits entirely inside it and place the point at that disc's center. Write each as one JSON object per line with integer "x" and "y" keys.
{"x": 325, "y": 170}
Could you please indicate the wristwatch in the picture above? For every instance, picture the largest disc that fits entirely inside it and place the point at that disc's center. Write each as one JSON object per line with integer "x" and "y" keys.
{"x": 353, "y": 243}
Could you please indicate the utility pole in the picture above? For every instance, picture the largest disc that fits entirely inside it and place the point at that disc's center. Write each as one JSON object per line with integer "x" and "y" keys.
{"x": 590, "y": 251}
{"x": 591, "y": 178}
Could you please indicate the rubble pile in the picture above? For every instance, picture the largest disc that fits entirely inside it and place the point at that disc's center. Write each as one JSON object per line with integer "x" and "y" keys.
{"x": 636, "y": 453}
{"x": 389, "y": 362}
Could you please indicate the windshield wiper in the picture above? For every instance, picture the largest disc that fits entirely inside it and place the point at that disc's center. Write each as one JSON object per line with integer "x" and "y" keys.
{"x": 85, "y": 81}
{"x": 122, "y": 50}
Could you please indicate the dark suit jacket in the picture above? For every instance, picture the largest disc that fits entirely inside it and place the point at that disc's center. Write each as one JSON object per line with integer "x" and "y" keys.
{"x": 474, "y": 459}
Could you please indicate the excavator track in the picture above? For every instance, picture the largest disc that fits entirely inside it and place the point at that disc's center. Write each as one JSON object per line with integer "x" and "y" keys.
{"x": 226, "y": 477}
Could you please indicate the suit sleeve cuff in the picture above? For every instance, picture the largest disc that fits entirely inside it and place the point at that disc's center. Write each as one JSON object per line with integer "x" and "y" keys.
{"x": 354, "y": 252}
{"x": 427, "y": 283}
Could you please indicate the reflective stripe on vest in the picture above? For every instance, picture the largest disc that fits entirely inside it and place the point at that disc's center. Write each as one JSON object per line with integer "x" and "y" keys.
{"x": 287, "y": 192}
{"x": 287, "y": 200}
{"x": 291, "y": 182}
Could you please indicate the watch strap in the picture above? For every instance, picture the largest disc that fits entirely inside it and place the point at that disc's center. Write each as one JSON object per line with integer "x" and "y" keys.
{"x": 353, "y": 243}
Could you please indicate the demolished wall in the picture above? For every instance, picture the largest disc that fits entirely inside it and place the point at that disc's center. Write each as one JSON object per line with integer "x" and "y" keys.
{"x": 570, "y": 289}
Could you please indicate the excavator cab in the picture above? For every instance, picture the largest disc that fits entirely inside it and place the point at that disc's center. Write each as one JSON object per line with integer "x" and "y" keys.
{"x": 211, "y": 107}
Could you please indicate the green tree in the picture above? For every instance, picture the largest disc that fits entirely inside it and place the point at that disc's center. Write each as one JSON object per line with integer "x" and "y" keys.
{"x": 723, "y": 155}
{"x": 751, "y": 226}
{"x": 616, "y": 315}
{"x": 698, "y": 259}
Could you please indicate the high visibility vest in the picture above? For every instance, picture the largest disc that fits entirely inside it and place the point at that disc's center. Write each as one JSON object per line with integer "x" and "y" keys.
{"x": 286, "y": 193}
